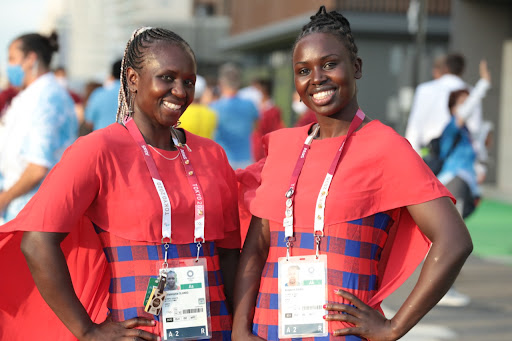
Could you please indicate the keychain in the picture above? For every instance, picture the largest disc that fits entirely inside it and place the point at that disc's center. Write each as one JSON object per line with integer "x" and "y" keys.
{"x": 156, "y": 299}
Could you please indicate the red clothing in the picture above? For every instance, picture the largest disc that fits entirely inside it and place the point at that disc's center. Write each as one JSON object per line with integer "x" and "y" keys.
{"x": 6, "y": 97}
{"x": 379, "y": 175}
{"x": 306, "y": 119}
{"x": 102, "y": 178}
{"x": 76, "y": 97}
{"x": 270, "y": 120}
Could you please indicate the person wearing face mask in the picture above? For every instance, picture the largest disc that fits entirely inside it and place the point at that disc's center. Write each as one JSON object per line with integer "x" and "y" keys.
{"x": 39, "y": 124}
{"x": 62, "y": 77}
{"x": 305, "y": 115}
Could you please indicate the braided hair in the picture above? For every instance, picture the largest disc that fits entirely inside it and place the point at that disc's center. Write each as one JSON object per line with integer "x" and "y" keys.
{"x": 330, "y": 22}
{"x": 134, "y": 56}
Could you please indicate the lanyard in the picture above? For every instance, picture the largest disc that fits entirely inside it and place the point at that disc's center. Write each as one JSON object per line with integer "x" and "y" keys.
{"x": 324, "y": 190}
{"x": 162, "y": 193}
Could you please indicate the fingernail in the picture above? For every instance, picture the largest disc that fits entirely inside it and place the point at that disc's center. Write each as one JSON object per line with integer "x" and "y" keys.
{"x": 336, "y": 291}
{"x": 325, "y": 317}
{"x": 153, "y": 322}
{"x": 325, "y": 306}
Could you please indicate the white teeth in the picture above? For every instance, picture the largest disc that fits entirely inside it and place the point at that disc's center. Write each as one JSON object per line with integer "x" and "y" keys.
{"x": 172, "y": 106}
{"x": 323, "y": 94}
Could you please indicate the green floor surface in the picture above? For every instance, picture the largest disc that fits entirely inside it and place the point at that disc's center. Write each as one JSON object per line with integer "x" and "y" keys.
{"x": 491, "y": 229}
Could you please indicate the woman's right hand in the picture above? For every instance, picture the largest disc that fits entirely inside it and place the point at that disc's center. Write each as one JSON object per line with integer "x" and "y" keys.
{"x": 125, "y": 330}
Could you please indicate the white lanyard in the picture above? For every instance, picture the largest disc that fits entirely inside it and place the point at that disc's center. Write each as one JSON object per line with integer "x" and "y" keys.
{"x": 162, "y": 193}
{"x": 324, "y": 190}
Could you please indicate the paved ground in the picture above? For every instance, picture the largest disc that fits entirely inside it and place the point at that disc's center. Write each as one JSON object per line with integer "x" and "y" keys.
{"x": 488, "y": 317}
{"x": 486, "y": 278}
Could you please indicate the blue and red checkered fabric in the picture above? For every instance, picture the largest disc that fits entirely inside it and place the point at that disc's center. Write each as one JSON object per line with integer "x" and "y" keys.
{"x": 133, "y": 263}
{"x": 353, "y": 251}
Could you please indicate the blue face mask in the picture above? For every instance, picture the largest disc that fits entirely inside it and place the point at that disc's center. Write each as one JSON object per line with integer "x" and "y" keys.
{"x": 15, "y": 75}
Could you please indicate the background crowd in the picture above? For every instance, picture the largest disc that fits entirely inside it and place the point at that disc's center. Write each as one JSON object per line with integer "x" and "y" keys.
{"x": 41, "y": 117}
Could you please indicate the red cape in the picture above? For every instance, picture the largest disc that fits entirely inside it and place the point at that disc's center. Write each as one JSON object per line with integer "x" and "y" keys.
{"x": 24, "y": 315}
{"x": 379, "y": 171}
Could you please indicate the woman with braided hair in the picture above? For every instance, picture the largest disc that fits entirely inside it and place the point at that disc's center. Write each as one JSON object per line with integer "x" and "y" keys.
{"x": 348, "y": 201}
{"x": 110, "y": 201}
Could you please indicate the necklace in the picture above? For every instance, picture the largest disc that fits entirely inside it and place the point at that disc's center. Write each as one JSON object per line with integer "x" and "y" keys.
{"x": 170, "y": 159}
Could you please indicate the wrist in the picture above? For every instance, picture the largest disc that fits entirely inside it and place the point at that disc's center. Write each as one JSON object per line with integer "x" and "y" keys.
{"x": 86, "y": 330}
{"x": 397, "y": 331}
{"x": 241, "y": 332}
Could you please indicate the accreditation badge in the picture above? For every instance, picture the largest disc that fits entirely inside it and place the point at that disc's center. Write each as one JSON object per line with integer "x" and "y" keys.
{"x": 302, "y": 285}
{"x": 186, "y": 309}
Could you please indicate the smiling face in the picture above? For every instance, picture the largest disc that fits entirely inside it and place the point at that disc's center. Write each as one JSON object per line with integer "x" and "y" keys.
{"x": 325, "y": 74}
{"x": 164, "y": 85}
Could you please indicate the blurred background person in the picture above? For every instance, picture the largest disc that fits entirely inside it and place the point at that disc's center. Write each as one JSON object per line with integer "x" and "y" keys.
{"x": 429, "y": 114}
{"x": 270, "y": 117}
{"x": 6, "y": 96}
{"x": 103, "y": 101}
{"x": 38, "y": 126}
{"x": 251, "y": 92}
{"x": 89, "y": 88}
{"x": 236, "y": 118}
{"x": 62, "y": 78}
{"x": 458, "y": 173}
{"x": 199, "y": 119}
{"x": 211, "y": 93}
{"x": 305, "y": 115}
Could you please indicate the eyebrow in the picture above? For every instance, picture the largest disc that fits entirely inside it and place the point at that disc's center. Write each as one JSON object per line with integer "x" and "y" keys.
{"x": 322, "y": 58}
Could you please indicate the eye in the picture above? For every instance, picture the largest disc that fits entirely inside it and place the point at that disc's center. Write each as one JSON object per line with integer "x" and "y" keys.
{"x": 190, "y": 83}
{"x": 168, "y": 78}
{"x": 329, "y": 65}
{"x": 303, "y": 72}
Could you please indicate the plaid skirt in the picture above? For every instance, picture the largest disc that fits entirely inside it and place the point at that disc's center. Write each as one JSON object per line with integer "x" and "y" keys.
{"x": 133, "y": 263}
{"x": 353, "y": 251}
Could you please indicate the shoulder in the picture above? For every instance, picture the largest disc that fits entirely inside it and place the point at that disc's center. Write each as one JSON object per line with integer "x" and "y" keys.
{"x": 383, "y": 140}
{"x": 108, "y": 139}
{"x": 290, "y": 133}
{"x": 97, "y": 93}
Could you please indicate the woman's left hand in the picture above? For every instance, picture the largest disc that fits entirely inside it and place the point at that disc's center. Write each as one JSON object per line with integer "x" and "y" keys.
{"x": 368, "y": 322}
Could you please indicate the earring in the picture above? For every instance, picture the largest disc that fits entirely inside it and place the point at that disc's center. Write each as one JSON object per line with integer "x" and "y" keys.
{"x": 130, "y": 103}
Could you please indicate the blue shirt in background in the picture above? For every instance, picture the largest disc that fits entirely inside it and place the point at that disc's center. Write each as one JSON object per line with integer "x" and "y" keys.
{"x": 461, "y": 161}
{"x": 235, "y": 123}
{"x": 101, "y": 107}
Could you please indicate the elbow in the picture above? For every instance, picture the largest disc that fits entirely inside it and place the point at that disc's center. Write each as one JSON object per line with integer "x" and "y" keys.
{"x": 27, "y": 245}
{"x": 468, "y": 249}
{"x": 464, "y": 249}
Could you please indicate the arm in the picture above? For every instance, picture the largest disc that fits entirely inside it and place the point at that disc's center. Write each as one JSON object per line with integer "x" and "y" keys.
{"x": 252, "y": 261}
{"x": 228, "y": 261}
{"x": 413, "y": 129}
{"x": 451, "y": 245}
{"x": 29, "y": 179}
{"x": 54, "y": 284}
{"x": 476, "y": 95}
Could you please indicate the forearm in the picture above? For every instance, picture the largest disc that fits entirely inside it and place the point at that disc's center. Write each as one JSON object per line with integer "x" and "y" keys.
{"x": 228, "y": 261}
{"x": 451, "y": 245}
{"x": 252, "y": 261}
{"x": 54, "y": 282}
{"x": 29, "y": 179}
{"x": 474, "y": 100}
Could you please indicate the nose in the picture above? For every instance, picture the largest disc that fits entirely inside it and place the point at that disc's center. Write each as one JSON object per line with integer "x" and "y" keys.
{"x": 318, "y": 76}
{"x": 178, "y": 89}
